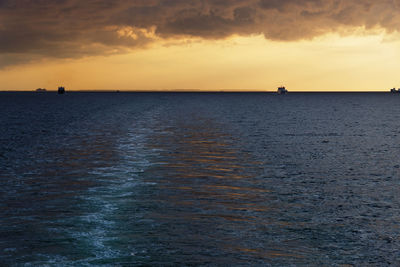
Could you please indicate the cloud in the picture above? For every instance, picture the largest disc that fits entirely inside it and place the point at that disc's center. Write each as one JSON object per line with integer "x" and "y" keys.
{"x": 76, "y": 28}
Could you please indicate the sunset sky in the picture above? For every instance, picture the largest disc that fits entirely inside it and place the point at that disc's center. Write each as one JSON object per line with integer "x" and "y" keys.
{"x": 306, "y": 45}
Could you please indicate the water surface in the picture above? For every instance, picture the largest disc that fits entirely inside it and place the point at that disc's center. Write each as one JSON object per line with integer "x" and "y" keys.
{"x": 199, "y": 179}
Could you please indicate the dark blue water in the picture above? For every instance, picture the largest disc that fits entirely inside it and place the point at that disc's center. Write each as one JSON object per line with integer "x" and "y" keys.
{"x": 199, "y": 179}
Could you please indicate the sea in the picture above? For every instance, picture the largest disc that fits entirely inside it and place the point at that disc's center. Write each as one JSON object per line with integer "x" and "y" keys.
{"x": 199, "y": 179}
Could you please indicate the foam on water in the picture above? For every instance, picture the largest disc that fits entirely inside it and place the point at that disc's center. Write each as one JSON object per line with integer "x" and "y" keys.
{"x": 199, "y": 179}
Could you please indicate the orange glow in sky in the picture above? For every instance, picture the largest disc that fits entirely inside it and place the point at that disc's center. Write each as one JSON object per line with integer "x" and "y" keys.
{"x": 305, "y": 45}
{"x": 330, "y": 62}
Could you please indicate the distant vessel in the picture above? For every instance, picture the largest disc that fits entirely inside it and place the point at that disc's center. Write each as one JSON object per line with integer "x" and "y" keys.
{"x": 282, "y": 90}
{"x": 394, "y": 90}
{"x": 41, "y": 90}
{"x": 61, "y": 90}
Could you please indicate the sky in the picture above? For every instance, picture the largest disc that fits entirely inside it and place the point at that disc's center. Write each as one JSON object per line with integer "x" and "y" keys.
{"x": 306, "y": 45}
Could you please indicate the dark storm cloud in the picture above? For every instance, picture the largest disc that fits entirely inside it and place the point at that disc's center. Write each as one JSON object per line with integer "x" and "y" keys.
{"x": 75, "y": 28}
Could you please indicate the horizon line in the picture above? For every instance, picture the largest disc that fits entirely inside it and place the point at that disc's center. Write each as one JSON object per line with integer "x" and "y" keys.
{"x": 195, "y": 91}
{"x": 199, "y": 91}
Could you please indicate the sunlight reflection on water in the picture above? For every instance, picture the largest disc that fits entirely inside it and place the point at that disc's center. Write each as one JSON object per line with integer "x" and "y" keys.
{"x": 199, "y": 179}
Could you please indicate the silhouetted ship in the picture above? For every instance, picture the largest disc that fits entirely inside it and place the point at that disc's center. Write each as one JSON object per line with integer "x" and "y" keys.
{"x": 282, "y": 91}
{"x": 61, "y": 90}
{"x": 394, "y": 90}
{"x": 41, "y": 90}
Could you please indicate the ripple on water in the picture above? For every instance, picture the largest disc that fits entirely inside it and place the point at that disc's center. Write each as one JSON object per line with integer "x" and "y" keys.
{"x": 199, "y": 179}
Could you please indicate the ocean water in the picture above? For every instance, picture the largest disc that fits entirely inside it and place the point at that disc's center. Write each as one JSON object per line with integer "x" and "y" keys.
{"x": 129, "y": 179}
